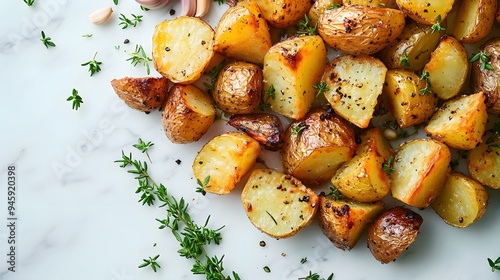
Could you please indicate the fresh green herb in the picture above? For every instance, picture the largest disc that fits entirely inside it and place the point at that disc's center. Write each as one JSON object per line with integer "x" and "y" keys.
{"x": 144, "y": 8}
{"x": 303, "y": 260}
{"x": 264, "y": 106}
{"x": 267, "y": 269}
{"x": 321, "y": 87}
{"x": 484, "y": 59}
{"x": 143, "y": 147}
{"x": 304, "y": 27}
{"x": 315, "y": 276}
{"x": 87, "y": 35}
{"x": 220, "y": 2}
{"x": 94, "y": 65}
{"x": 335, "y": 193}
{"x": 334, "y": 6}
{"x": 47, "y": 41}
{"x": 387, "y": 167}
{"x": 404, "y": 60}
{"x": 151, "y": 262}
{"x": 117, "y": 47}
{"x": 297, "y": 128}
{"x": 76, "y": 98}
{"x": 139, "y": 56}
{"x": 437, "y": 26}
{"x": 202, "y": 185}
{"x": 381, "y": 4}
{"x": 495, "y": 265}
{"x": 129, "y": 22}
{"x": 29, "y": 2}
{"x": 401, "y": 133}
{"x": 116, "y": 2}
{"x": 496, "y": 134}
{"x": 213, "y": 73}
{"x": 425, "y": 76}
{"x": 271, "y": 92}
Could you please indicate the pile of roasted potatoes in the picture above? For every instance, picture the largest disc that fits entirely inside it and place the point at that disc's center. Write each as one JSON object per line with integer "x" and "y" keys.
{"x": 310, "y": 79}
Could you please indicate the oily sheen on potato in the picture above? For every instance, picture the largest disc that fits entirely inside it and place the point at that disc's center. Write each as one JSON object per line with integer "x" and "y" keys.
{"x": 483, "y": 162}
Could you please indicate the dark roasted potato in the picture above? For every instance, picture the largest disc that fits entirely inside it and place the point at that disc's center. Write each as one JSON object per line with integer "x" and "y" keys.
{"x": 143, "y": 94}
{"x": 267, "y": 129}
{"x": 392, "y": 233}
{"x": 238, "y": 88}
{"x": 488, "y": 80}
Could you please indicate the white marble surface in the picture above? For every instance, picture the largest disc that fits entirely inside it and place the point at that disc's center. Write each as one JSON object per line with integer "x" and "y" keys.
{"x": 77, "y": 213}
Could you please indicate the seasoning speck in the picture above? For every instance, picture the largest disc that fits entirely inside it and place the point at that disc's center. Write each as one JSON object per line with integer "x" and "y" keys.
{"x": 126, "y": 41}
{"x": 172, "y": 12}
{"x": 178, "y": 161}
{"x": 262, "y": 243}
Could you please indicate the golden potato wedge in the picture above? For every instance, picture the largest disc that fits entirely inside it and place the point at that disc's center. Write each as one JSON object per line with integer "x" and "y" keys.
{"x": 354, "y": 84}
{"x": 483, "y": 162}
{"x": 284, "y": 13}
{"x": 373, "y": 139}
{"x": 426, "y": 11}
{"x": 462, "y": 201}
{"x": 143, "y": 94}
{"x": 487, "y": 80}
{"x": 420, "y": 169}
{"x": 405, "y": 97}
{"x": 372, "y": 3}
{"x": 474, "y": 20}
{"x": 187, "y": 114}
{"x": 278, "y": 204}
{"x": 355, "y": 29}
{"x": 238, "y": 88}
{"x": 318, "y": 7}
{"x": 412, "y": 49}
{"x": 316, "y": 146}
{"x": 343, "y": 221}
{"x": 460, "y": 122}
{"x": 448, "y": 68}
{"x": 392, "y": 233}
{"x": 267, "y": 129}
{"x": 243, "y": 34}
{"x": 224, "y": 160}
{"x": 175, "y": 40}
{"x": 291, "y": 68}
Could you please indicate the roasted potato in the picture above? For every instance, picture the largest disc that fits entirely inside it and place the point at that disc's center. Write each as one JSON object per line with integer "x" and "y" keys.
{"x": 462, "y": 201}
{"x": 448, "y": 68}
{"x": 426, "y": 11}
{"x": 419, "y": 171}
{"x": 267, "y": 129}
{"x": 354, "y": 84}
{"x": 355, "y": 29}
{"x": 362, "y": 178}
{"x": 392, "y": 233}
{"x": 488, "y": 80}
{"x": 291, "y": 68}
{"x": 187, "y": 114}
{"x": 224, "y": 160}
{"x": 405, "y": 99}
{"x": 412, "y": 48}
{"x": 316, "y": 146}
{"x": 474, "y": 20}
{"x": 483, "y": 162}
{"x": 460, "y": 122}
{"x": 343, "y": 221}
{"x": 243, "y": 34}
{"x": 278, "y": 204}
{"x": 372, "y": 3}
{"x": 238, "y": 88}
{"x": 143, "y": 94}
{"x": 318, "y": 7}
{"x": 175, "y": 40}
{"x": 284, "y": 13}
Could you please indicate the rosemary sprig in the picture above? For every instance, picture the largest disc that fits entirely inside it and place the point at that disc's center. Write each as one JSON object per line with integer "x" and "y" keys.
{"x": 437, "y": 26}
{"x": 151, "y": 262}
{"x": 94, "y": 65}
{"x": 47, "y": 41}
{"x": 495, "y": 265}
{"x": 484, "y": 59}
{"x": 29, "y": 2}
{"x": 125, "y": 22}
{"x": 315, "y": 276}
{"x": 139, "y": 56}
{"x": 76, "y": 98}
{"x": 321, "y": 87}
{"x": 304, "y": 27}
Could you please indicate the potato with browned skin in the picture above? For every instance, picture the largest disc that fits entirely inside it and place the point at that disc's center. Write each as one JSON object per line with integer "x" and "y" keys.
{"x": 144, "y": 94}
{"x": 263, "y": 127}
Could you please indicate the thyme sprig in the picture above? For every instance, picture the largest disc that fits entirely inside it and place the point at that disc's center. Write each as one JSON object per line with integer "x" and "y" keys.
{"x": 151, "y": 262}
{"x": 202, "y": 185}
{"x": 335, "y": 193}
{"x": 496, "y": 134}
{"x": 213, "y": 74}
{"x": 297, "y": 128}
{"x": 94, "y": 65}
{"x": 139, "y": 56}
{"x": 29, "y": 2}
{"x": 437, "y": 26}
{"x": 76, "y": 100}
{"x": 425, "y": 77}
{"x": 126, "y": 22}
{"x": 305, "y": 28}
{"x": 270, "y": 92}
{"x": 47, "y": 41}
{"x": 315, "y": 276}
{"x": 484, "y": 59}
{"x": 387, "y": 167}
{"x": 321, "y": 87}
{"x": 143, "y": 147}
{"x": 495, "y": 265}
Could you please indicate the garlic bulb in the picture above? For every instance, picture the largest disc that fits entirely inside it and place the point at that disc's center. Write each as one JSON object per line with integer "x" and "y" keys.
{"x": 153, "y": 4}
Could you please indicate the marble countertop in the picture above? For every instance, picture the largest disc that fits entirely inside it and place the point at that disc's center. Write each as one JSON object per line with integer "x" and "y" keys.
{"x": 76, "y": 214}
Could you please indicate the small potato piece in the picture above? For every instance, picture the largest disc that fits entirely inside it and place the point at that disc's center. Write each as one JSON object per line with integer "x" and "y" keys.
{"x": 448, "y": 68}
{"x": 187, "y": 114}
{"x": 284, "y": 13}
{"x": 343, "y": 221}
{"x": 243, "y": 34}
{"x": 225, "y": 160}
{"x": 460, "y": 122}
{"x": 474, "y": 20}
{"x": 355, "y": 29}
{"x": 267, "y": 129}
{"x": 354, "y": 84}
{"x": 462, "y": 201}
{"x": 406, "y": 102}
{"x": 278, "y": 204}
{"x": 372, "y": 3}
{"x": 483, "y": 161}
{"x": 316, "y": 146}
{"x": 486, "y": 80}
{"x": 238, "y": 88}
{"x": 180, "y": 38}
{"x": 392, "y": 233}
{"x": 291, "y": 68}
{"x": 319, "y": 7}
{"x": 420, "y": 169}
{"x": 143, "y": 94}
{"x": 426, "y": 11}
{"x": 373, "y": 139}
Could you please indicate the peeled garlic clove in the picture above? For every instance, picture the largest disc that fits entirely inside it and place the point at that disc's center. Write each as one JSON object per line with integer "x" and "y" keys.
{"x": 188, "y": 7}
{"x": 100, "y": 16}
{"x": 202, "y": 7}
{"x": 153, "y": 4}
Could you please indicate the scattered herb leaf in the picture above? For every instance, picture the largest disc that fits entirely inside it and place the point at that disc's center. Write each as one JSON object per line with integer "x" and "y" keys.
{"x": 151, "y": 262}
{"x": 335, "y": 193}
{"x": 202, "y": 185}
{"x": 321, "y": 87}
{"x": 495, "y": 265}
{"x": 94, "y": 65}
{"x": 484, "y": 59}
{"x": 387, "y": 167}
{"x": 139, "y": 56}
{"x": 496, "y": 134}
{"x": 425, "y": 76}
{"x": 87, "y": 35}
{"x": 297, "y": 128}
{"x": 125, "y": 22}
{"x": 437, "y": 26}
{"x": 76, "y": 98}
{"x": 144, "y": 8}
{"x": 267, "y": 269}
{"x": 29, "y": 2}
{"x": 116, "y": 2}
{"x": 303, "y": 260}
{"x": 143, "y": 147}
{"x": 213, "y": 73}
{"x": 315, "y": 276}
{"x": 47, "y": 41}
{"x": 304, "y": 27}
{"x": 271, "y": 92}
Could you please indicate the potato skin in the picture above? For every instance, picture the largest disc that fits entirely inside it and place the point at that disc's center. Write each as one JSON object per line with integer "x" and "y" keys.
{"x": 284, "y": 13}
{"x": 143, "y": 94}
{"x": 427, "y": 11}
{"x": 483, "y": 162}
{"x": 474, "y": 20}
{"x": 238, "y": 88}
{"x": 392, "y": 233}
{"x": 488, "y": 81}
{"x": 267, "y": 129}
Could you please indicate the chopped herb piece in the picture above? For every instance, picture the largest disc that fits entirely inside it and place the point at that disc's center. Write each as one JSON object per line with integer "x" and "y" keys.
{"x": 321, "y": 87}
{"x": 76, "y": 98}
{"x": 47, "y": 41}
{"x": 94, "y": 65}
{"x": 139, "y": 56}
{"x": 484, "y": 59}
{"x": 125, "y": 22}
{"x": 304, "y": 27}
{"x": 151, "y": 262}
{"x": 437, "y": 26}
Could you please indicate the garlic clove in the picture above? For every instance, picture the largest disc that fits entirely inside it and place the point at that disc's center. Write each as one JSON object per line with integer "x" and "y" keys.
{"x": 188, "y": 7}
{"x": 202, "y": 7}
{"x": 153, "y": 4}
{"x": 100, "y": 16}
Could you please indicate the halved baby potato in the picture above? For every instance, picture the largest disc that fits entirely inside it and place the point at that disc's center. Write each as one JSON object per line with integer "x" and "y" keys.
{"x": 284, "y": 13}
{"x": 426, "y": 11}
{"x": 144, "y": 94}
{"x": 474, "y": 20}
{"x": 483, "y": 161}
